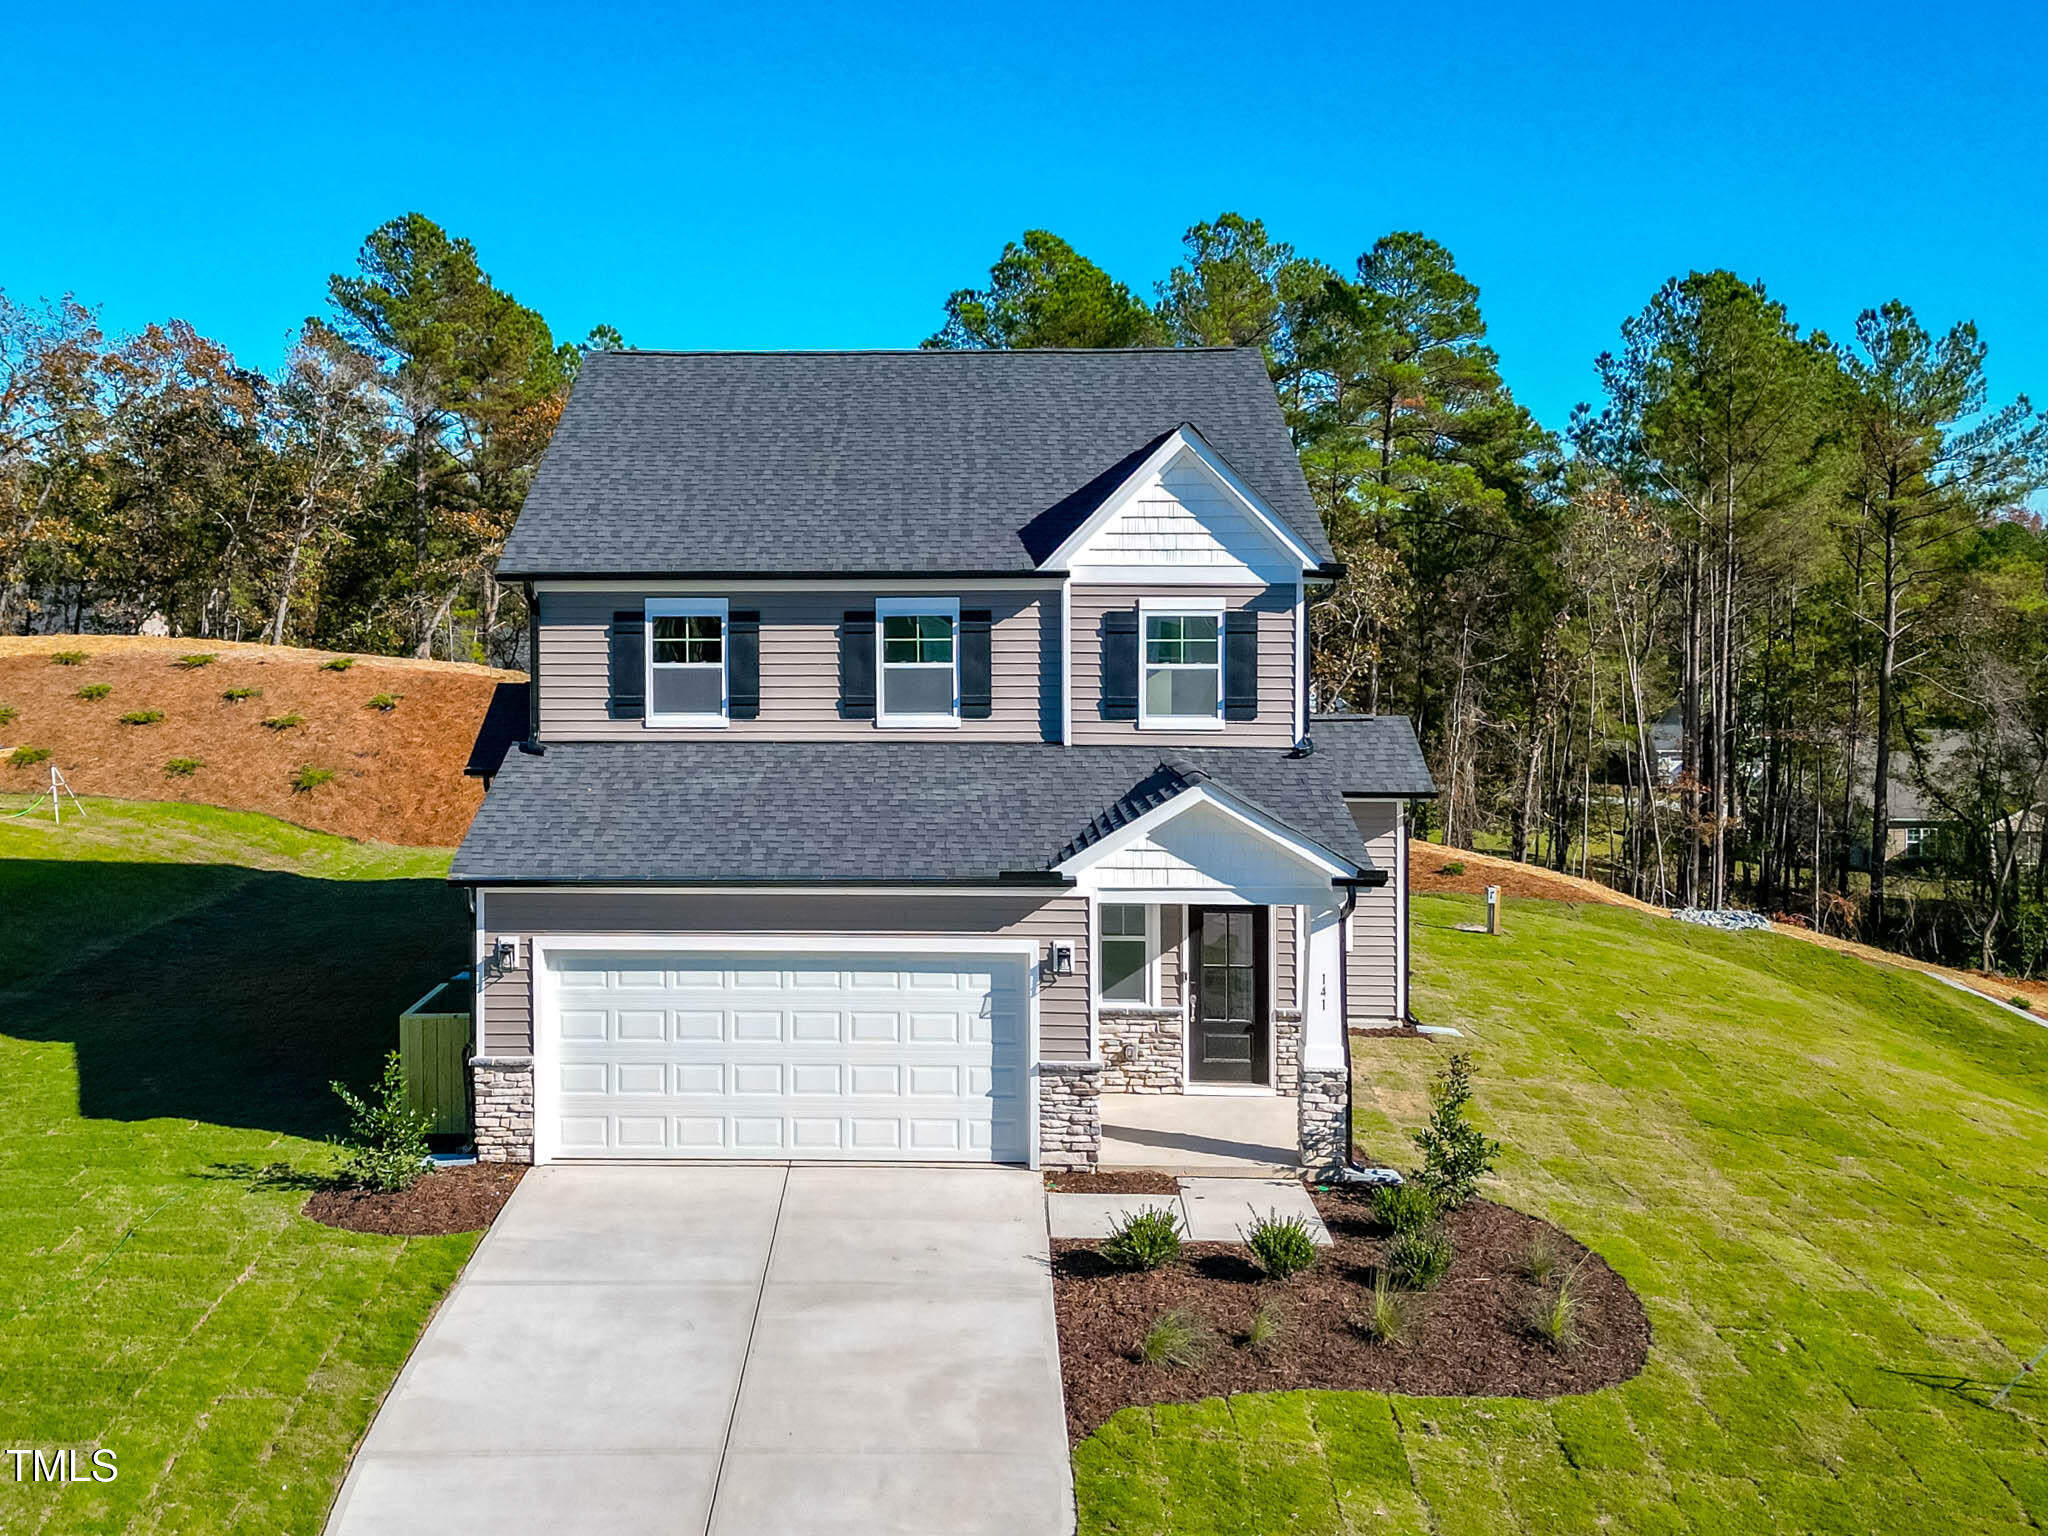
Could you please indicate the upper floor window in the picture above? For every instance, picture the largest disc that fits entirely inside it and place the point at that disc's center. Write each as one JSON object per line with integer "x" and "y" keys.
{"x": 1182, "y": 665}
{"x": 686, "y": 672}
{"x": 920, "y": 661}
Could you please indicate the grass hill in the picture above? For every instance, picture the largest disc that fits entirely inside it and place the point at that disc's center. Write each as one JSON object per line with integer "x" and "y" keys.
{"x": 371, "y": 749}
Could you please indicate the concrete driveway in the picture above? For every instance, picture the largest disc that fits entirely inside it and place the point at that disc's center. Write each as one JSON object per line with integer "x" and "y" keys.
{"x": 732, "y": 1350}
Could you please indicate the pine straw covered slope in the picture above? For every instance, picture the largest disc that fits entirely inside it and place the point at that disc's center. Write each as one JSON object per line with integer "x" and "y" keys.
{"x": 396, "y": 773}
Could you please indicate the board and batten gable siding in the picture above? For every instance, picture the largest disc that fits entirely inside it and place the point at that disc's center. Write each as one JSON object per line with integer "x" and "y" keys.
{"x": 1372, "y": 967}
{"x": 799, "y": 667}
{"x": 1063, "y": 1013}
{"x": 1275, "y": 607}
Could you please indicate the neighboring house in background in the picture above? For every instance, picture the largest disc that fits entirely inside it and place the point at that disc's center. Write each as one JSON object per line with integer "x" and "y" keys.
{"x": 919, "y": 748}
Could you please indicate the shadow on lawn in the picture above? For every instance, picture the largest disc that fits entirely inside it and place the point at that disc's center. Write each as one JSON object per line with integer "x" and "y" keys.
{"x": 241, "y": 1008}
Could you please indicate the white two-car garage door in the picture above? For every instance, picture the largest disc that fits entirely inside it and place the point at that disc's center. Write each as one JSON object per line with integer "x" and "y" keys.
{"x": 763, "y": 1054}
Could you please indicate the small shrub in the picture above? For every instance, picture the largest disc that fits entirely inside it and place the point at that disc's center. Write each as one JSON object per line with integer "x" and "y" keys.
{"x": 28, "y": 757}
{"x": 183, "y": 767}
{"x": 1455, "y": 1155}
{"x": 1455, "y": 867}
{"x": 142, "y": 717}
{"x": 1177, "y": 1339}
{"x": 1144, "y": 1239}
{"x": 69, "y": 658}
{"x": 94, "y": 691}
{"x": 385, "y": 702}
{"x": 1268, "y": 1327}
{"x": 2021, "y": 1001}
{"x": 1389, "y": 1315}
{"x": 1553, "y": 1315}
{"x": 385, "y": 1146}
{"x": 1406, "y": 1207}
{"x": 284, "y": 722}
{"x": 1543, "y": 1258}
{"x": 308, "y": 777}
{"x": 196, "y": 660}
{"x": 9, "y": 714}
{"x": 236, "y": 695}
{"x": 337, "y": 663}
{"x": 1417, "y": 1260}
{"x": 1283, "y": 1245}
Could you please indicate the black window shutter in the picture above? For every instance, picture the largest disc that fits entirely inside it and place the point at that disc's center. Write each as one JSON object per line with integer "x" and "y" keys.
{"x": 1241, "y": 665}
{"x": 977, "y": 676}
{"x": 743, "y": 665}
{"x": 628, "y": 666}
{"x": 857, "y": 666}
{"x": 1120, "y": 664}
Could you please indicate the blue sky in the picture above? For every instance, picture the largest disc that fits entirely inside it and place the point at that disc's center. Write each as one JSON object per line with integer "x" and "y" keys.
{"x": 822, "y": 177}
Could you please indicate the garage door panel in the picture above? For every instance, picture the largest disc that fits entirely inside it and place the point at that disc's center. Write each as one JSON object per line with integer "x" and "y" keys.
{"x": 802, "y": 1056}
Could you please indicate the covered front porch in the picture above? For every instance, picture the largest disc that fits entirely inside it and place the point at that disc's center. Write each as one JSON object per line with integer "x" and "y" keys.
{"x": 1218, "y": 1135}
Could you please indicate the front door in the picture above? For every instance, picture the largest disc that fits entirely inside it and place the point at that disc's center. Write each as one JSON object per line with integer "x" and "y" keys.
{"x": 1229, "y": 1041}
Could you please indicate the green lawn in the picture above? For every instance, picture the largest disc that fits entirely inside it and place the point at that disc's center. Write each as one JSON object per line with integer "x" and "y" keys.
{"x": 1825, "y": 1179}
{"x": 177, "y": 986}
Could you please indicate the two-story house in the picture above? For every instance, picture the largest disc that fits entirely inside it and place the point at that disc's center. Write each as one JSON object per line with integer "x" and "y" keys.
{"x": 919, "y": 750}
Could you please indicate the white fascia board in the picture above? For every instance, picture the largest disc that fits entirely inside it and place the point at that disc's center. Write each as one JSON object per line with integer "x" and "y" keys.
{"x": 1185, "y": 439}
{"x": 685, "y": 586}
{"x": 1309, "y": 852}
{"x": 895, "y": 888}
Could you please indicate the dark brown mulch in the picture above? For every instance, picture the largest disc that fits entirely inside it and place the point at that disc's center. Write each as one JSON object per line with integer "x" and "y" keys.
{"x": 446, "y": 1200}
{"x": 1391, "y": 1031}
{"x": 1113, "y": 1183}
{"x": 1467, "y": 1338}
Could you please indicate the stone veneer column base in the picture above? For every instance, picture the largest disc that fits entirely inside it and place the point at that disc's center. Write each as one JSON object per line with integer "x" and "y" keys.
{"x": 1069, "y": 1114}
{"x": 1141, "y": 1049}
{"x": 501, "y": 1094}
{"x": 1325, "y": 1118}
{"x": 1286, "y": 1052}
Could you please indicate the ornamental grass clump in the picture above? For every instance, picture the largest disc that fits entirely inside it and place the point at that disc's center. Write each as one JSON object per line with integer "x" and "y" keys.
{"x": 142, "y": 717}
{"x": 1266, "y": 1329}
{"x": 236, "y": 695}
{"x": 9, "y": 714}
{"x": 183, "y": 767}
{"x": 385, "y": 1145}
{"x": 1144, "y": 1239}
{"x": 196, "y": 660}
{"x": 1552, "y": 1315}
{"x": 28, "y": 757}
{"x": 337, "y": 663}
{"x": 1388, "y": 1315}
{"x": 94, "y": 691}
{"x": 283, "y": 722}
{"x": 308, "y": 777}
{"x": 1455, "y": 1154}
{"x": 1283, "y": 1245}
{"x": 68, "y": 658}
{"x": 384, "y": 703}
{"x": 1177, "y": 1339}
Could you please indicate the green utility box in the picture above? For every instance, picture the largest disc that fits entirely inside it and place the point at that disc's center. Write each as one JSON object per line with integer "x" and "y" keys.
{"x": 433, "y": 1047}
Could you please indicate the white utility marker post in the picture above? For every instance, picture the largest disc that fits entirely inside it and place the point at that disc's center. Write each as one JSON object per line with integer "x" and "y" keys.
{"x": 1493, "y": 909}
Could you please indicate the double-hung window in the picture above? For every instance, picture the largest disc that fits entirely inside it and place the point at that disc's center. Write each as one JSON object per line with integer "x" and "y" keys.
{"x": 919, "y": 672}
{"x": 686, "y": 678}
{"x": 1181, "y": 682}
{"x": 1127, "y": 950}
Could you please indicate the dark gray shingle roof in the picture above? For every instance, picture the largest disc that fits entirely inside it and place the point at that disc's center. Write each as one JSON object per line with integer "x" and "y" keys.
{"x": 886, "y": 811}
{"x": 850, "y": 462}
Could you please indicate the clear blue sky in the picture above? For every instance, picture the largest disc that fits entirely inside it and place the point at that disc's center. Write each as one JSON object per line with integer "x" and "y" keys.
{"x": 822, "y": 177}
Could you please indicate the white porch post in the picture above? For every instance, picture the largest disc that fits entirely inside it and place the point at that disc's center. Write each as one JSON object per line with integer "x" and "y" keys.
{"x": 1325, "y": 1105}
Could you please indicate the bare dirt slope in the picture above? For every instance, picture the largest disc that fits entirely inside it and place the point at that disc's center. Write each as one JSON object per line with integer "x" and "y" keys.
{"x": 1426, "y": 873}
{"x": 397, "y": 773}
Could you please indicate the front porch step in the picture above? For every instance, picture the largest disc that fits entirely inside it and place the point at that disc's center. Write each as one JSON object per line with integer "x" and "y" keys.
{"x": 1211, "y": 1210}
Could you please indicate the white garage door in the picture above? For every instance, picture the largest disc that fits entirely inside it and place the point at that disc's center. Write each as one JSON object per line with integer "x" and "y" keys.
{"x": 691, "y": 1054}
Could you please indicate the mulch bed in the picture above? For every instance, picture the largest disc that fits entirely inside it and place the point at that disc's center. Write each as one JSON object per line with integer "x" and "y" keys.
{"x": 446, "y": 1200}
{"x": 1135, "y": 1183}
{"x": 1468, "y": 1337}
{"x": 1390, "y": 1032}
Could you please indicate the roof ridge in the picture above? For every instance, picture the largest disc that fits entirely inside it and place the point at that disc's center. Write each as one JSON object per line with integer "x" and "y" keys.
{"x": 903, "y": 351}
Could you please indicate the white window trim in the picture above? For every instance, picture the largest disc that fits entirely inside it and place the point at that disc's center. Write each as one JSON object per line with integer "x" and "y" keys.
{"x": 1152, "y": 956}
{"x": 690, "y": 608}
{"x": 915, "y": 607}
{"x": 1174, "y": 608}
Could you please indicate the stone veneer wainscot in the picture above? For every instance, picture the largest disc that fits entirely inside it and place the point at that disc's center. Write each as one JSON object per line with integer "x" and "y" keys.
{"x": 1069, "y": 1114}
{"x": 501, "y": 1088}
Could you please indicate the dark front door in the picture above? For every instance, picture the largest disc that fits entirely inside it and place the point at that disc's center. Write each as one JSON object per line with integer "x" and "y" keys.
{"x": 1229, "y": 1043}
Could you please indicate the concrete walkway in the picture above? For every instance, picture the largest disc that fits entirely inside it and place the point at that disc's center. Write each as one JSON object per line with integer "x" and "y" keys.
{"x": 735, "y": 1350}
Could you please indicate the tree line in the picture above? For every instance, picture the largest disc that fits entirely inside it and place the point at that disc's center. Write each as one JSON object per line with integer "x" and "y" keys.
{"x": 1691, "y": 641}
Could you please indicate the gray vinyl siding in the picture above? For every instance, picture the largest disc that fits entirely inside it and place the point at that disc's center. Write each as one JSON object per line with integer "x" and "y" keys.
{"x": 800, "y": 668}
{"x": 1277, "y": 692}
{"x": 1286, "y": 984}
{"x": 507, "y": 1005}
{"x": 1372, "y": 966}
{"x": 1172, "y": 928}
{"x": 1062, "y": 1000}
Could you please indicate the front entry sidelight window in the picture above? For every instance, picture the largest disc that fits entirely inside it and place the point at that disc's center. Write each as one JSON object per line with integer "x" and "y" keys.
{"x": 686, "y": 677}
{"x": 1183, "y": 669}
{"x": 1126, "y": 953}
{"x": 920, "y": 662}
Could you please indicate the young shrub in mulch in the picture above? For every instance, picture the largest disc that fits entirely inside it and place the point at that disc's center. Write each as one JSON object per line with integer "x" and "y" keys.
{"x": 2022, "y": 1002}
{"x": 183, "y": 767}
{"x": 9, "y": 714}
{"x": 283, "y": 722}
{"x": 385, "y": 1145}
{"x": 142, "y": 717}
{"x": 1455, "y": 1154}
{"x": 1144, "y": 1239}
{"x": 337, "y": 663}
{"x": 69, "y": 658}
{"x": 384, "y": 703}
{"x": 309, "y": 778}
{"x": 236, "y": 695}
{"x": 1455, "y": 867}
{"x": 195, "y": 661}
{"x": 1283, "y": 1245}
{"x": 1404, "y": 1207}
{"x": 1418, "y": 1259}
{"x": 1179, "y": 1339}
{"x": 92, "y": 692}
{"x": 28, "y": 757}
